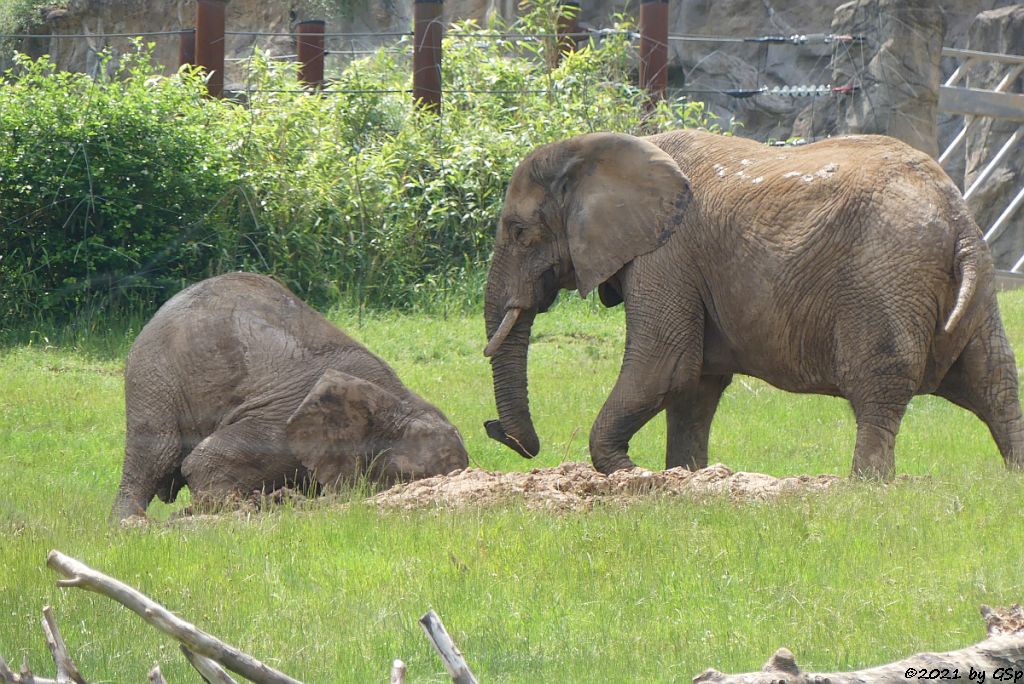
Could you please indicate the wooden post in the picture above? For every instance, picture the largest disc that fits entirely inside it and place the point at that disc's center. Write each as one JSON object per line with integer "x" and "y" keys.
{"x": 187, "y": 47}
{"x": 310, "y": 44}
{"x": 426, "y": 54}
{"x": 568, "y": 26}
{"x": 654, "y": 48}
{"x": 210, "y": 43}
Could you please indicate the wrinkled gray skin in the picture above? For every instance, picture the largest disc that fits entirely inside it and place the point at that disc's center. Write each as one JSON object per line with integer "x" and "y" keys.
{"x": 236, "y": 386}
{"x": 849, "y": 267}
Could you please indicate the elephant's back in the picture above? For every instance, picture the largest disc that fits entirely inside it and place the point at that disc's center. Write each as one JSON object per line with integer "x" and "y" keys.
{"x": 228, "y": 342}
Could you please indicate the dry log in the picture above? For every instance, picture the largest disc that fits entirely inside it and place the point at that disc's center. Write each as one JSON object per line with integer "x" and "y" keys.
{"x": 198, "y": 641}
{"x": 66, "y": 669}
{"x": 9, "y": 676}
{"x": 452, "y": 658}
{"x": 1000, "y": 658}
{"x": 156, "y": 676}
{"x": 397, "y": 672}
{"x": 208, "y": 670}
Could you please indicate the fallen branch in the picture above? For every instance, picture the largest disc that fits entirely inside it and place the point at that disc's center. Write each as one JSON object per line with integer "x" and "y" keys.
{"x": 8, "y": 676}
{"x": 67, "y": 672}
{"x": 1000, "y": 657}
{"x": 208, "y": 670}
{"x": 66, "y": 669}
{"x": 82, "y": 576}
{"x": 397, "y": 672}
{"x": 446, "y": 648}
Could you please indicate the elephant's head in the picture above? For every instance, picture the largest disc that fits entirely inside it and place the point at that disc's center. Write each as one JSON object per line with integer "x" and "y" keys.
{"x": 347, "y": 428}
{"x": 576, "y": 212}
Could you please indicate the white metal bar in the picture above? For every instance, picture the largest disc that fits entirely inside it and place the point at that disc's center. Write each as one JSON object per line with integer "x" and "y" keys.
{"x": 1008, "y": 79}
{"x": 987, "y": 171}
{"x": 1016, "y": 266}
{"x": 977, "y": 54}
{"x": 960, "y": 137}
{"x": 959, "y": 100}
{"x": 959, "y": 72}
{"x": 993, "y": 232}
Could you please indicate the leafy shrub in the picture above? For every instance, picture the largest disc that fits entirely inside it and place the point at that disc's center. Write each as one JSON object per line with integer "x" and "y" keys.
{"x": 104, "y": 187}
{"x": 118, "y": 192}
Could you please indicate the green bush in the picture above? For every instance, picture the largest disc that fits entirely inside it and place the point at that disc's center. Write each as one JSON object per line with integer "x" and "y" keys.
{"x": 116, "y": 193}
{"x": 105, "y": 188}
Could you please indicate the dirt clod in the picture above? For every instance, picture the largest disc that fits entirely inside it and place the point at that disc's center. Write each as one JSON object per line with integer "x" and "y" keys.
{"x": 577, "y": 486}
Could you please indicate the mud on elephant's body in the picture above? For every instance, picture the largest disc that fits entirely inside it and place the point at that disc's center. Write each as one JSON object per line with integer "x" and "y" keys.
{"x": 237, "y": 386}
{"x": 848, "y": 267}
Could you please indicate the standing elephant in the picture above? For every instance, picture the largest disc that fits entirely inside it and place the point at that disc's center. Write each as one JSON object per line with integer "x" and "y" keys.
{"x": 849, "y": 267}
{"x": 237, "y": 385}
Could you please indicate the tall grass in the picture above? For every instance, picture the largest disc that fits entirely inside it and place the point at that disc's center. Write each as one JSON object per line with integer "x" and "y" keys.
{"x": 653, "y": 592}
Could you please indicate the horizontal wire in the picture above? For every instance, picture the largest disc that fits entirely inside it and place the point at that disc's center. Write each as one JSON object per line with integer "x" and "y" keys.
{"x": 137, "y": 34}
{"x": 385, "y": 34}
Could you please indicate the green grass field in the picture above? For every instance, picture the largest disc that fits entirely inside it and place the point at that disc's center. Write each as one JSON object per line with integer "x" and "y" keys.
{"x": 654, "y": 592}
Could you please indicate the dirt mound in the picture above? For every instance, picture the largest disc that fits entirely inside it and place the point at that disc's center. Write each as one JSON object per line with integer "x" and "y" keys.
{"x": 577, "y": 486}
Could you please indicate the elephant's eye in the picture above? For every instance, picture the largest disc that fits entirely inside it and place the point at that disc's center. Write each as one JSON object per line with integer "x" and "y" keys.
{"x": 515, "y": 230}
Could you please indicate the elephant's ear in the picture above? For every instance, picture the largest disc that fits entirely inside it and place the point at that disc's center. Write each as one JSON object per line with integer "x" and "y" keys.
{"x": 623, "y": 197}
{"x": 332, "y": 433}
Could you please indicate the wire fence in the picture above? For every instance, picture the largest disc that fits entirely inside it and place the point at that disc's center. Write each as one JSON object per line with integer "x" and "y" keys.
{"x": 340, "y": 49}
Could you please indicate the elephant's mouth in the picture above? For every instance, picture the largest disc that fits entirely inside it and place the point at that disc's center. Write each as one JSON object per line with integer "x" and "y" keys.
{"x": 549, "y": 288}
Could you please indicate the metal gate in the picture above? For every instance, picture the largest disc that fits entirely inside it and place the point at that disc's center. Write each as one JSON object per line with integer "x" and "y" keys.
{"x": 976, "y": 104}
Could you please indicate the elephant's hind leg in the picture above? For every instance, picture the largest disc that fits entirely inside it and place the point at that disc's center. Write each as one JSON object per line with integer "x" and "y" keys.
{"x": 878, "y": 422}
{"x": 241, "y": 459}
{"x": 151, "y": 465}
{"x": 984, "y": 381}
{"x": 688, "y": 420}
{"x": 884, "y": 367}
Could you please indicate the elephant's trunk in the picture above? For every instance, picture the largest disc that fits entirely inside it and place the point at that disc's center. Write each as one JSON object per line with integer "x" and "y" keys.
{"x": 514, "y": 427}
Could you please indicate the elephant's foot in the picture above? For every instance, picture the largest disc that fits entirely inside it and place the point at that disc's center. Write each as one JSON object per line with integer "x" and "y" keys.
{"x": 609, "y": 464}
{"x": 874, "y": 457}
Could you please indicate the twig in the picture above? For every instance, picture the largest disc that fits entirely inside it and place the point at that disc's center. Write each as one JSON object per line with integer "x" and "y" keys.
{"x": 397, "y": 672}
{"x": 82, "y": 576}
{"x": 446, "y": 648}
{"x": 66, "y": 669}
{"x": 209, "y": 670}
{"x": 8, "y": 676}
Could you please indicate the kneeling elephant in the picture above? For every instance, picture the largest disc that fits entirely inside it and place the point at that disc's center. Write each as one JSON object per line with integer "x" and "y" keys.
{"x": 237, "y": 386}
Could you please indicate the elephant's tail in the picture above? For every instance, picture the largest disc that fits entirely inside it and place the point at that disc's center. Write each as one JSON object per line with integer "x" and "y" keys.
{"x": 966, "y": 268}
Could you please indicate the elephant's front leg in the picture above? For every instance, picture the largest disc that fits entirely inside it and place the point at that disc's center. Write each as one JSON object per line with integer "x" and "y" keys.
{"x": 241, "y": 458}
{"x": 639, "y": 394}
{"x": 688, "y": 422}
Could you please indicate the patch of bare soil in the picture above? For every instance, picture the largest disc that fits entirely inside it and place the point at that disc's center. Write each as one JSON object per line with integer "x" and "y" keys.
{"x": 577, "y": 486}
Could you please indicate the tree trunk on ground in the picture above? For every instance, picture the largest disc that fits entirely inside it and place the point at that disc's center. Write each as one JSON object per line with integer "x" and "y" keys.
{"x": 1000, "y": 657}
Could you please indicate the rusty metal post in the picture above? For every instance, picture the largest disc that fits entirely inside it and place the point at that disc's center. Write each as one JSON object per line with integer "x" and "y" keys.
{"x": 654, "y": 48}
{"x": 187, "y": 48}
{"x": 310, "y": 44}
{"x": 568, "y": 27}
{"x": 426, "y": 54}
{"x": 210, "y": 42}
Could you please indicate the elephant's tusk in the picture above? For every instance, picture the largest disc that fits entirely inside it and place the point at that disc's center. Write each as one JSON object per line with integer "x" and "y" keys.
{"x": 511, "y": 316}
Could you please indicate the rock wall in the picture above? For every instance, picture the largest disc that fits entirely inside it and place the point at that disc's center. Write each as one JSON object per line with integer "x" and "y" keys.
{"x": 896, "y": 68}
